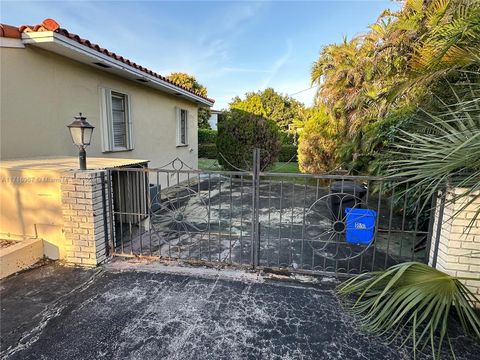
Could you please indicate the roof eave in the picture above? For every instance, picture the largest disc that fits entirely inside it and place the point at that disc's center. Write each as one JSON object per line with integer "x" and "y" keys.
{"x": 57, "y": 43}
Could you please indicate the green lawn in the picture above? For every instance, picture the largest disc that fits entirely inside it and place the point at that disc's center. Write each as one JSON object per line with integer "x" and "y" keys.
{"x": 207, "y": 164}
{"x": 283, "y": 167}
{"x": 278, "y": 167}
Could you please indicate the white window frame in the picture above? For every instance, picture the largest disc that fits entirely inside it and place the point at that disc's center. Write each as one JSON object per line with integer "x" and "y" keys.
{"x": 179, "y": 126}
{"x": 108, "y": 144}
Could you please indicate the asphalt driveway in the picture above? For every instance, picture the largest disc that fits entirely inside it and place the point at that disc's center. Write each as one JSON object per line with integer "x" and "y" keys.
{"x": 132, "y": 312}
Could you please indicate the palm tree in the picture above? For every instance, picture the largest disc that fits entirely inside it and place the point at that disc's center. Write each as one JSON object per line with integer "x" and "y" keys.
{"x": 343, "y": 73}
{"x": 442, "y": 148}
{"x": 433, "y": 38}
{"x": 398, "y": 64}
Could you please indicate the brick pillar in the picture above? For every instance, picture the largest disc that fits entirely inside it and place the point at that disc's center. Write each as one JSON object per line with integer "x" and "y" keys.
{"x": 458, "y": 247}
{"x": 85, "y": 216}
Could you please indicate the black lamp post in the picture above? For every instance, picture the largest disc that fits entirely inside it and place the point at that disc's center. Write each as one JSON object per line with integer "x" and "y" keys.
{"x": 81, "y": 132}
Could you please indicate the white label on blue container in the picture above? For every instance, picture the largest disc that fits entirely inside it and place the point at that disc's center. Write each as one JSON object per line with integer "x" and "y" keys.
{"x": 360, "y": 226}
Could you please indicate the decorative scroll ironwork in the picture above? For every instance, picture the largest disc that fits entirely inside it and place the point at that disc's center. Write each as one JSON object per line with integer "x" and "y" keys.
{"x": 260, "y": 219}
{"x": 326, "y": 227}
{"x": 176, "y": 164}
{"x": 180, "y": 209}
{"x": 179, "y": 221}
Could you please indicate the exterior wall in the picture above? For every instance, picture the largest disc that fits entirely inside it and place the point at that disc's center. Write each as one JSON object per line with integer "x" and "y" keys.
{"x": 85, "y": 216}
{"x": 64, "y": 208}
{"x": 458, "y": 246}
{"x": 42, "y": 91}
{"x": 31, "y": 207}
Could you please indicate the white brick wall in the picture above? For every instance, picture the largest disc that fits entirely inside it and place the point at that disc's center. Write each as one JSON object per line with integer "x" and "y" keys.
{"x": 84, "y": 216}
{"x": 458, "y": 245}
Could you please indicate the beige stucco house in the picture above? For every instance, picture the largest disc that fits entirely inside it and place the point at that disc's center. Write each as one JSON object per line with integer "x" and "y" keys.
{"x": 49, "y": 75}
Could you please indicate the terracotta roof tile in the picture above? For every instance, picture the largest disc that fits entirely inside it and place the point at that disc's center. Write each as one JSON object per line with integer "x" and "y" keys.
{"x": 52, "y": 25}
{"x": 9, "y": 31}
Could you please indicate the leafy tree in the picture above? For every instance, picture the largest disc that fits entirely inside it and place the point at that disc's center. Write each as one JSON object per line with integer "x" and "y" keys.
{"x": 189, "y": 82}
{"x": 438, "y": 37}
{"x": 281, "y": 109}
{"x": 365, "y": 150}
{"x": 368, "y": 82}
{"x": 341, "y": 74}
{"x": 239, "y": 132}
{"x": 318, "y": 142}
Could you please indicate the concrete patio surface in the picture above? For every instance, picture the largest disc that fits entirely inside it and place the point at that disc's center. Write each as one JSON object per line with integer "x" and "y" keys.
{"x": 137, "y": 310}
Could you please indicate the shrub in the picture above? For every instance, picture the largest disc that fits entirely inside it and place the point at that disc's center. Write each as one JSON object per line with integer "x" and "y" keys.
{"x": 239, "y": 132}
{"x": 286, "y": 138}
{"x": 207, "y": 136}
{"x": 318, "y": 143}
{"x": 207, "y": 151}
{"x": 287, "y": 153}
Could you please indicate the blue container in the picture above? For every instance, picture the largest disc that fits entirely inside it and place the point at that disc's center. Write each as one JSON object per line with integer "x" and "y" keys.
{"x": 360, "y": 225}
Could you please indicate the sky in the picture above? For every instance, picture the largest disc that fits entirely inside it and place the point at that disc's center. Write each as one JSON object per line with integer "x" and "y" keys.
{"x": 230, "y": 47}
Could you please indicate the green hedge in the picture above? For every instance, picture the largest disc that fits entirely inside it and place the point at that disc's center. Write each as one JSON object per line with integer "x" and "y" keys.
{"x": 239, "y": 132}
{"x": 207, "y": 151}
{"x": 207, "y": 136}
{"x": 286, "y": 139}
{"x": 287, "y": 153}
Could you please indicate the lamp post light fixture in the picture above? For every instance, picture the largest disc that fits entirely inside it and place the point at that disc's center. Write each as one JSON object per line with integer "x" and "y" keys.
{"x": 81, "y": 132}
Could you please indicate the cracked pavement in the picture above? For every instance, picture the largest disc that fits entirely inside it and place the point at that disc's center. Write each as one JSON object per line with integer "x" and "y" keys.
{"x": 56, "y": 312}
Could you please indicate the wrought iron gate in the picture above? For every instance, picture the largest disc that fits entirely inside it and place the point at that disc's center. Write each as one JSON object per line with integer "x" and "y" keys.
{"x": 264, "y": 219}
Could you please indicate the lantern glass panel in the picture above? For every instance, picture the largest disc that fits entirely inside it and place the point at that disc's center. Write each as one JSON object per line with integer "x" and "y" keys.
{"x": 77, "y": 135}
{"x": 87, "y": 135}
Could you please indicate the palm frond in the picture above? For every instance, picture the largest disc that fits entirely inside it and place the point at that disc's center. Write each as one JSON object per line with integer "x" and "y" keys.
{"x": 443, "y": 150}
{"x": 411, "y": 300}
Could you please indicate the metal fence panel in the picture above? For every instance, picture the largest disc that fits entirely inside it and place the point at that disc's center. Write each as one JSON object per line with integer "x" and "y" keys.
{"x": 263, "y": 219}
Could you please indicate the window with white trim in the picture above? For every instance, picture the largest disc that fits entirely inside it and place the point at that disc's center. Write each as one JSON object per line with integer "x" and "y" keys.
{"x": 182, "y": 127}
{"x": 116, "y": 122}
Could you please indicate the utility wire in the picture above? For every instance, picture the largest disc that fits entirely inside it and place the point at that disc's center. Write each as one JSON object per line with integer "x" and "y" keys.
{"x": 301, "y": 91}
